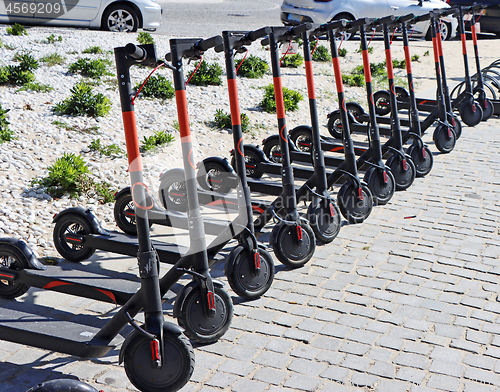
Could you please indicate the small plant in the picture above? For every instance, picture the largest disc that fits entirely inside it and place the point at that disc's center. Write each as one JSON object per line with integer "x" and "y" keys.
{"x": 6, "y": 134}
{"x": 145, "y": 38}
{"x": 320, "y": 53}
{"x": 158, "y": 139}
{"x": 26, "y": 61}
{"x": 53, "y": 59}
{"x": 37, "y": 87}
{"x": 206, "y": 75}
{"x": 223, "y": 120}
{"x": 253, "y": 67}
{"x": 52, "y": 39}
{"x": 93, "y": 68}
{"x": 291, "y": 99}
{"x": 370, "y": 49}
{"x": 176, "y": 125}
{"x": 104, "y": 190}
{"x": 376, "y": 69}
{"x": 415, "y": 57}
{"x": 15, "y": 75}
{"x": 16, "y": 29}
{"x": 93, "y": 50}
{"x": 353, "y": 80}
{"x": 112, "y": 149}
{"x": 83, "y": 102}
{"x": 426, "y": 53}
{"x": 85, "y": 129}
{"x": 342, "y": 52}
{"x": 292, "y": 61}
{"x": 157, "y": 87}
{"x": 399, "y": 64}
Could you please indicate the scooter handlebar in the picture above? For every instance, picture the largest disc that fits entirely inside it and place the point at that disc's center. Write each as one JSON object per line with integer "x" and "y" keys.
{"x": 357, "y": 23}
{"x": 136, "y": 52}
{"x": 405, "y": 18}
{"x": 421, "y": 18}
{"x": 338, "y": 24}
{"x": 297, "y": 30}
{"x": 256, "y": 34}
{"x": 208, "y": 43}
{"x": 443, "y": 12}
{"x": 385, "y": 20}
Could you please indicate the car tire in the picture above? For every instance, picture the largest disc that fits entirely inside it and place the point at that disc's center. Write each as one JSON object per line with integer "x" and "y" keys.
{"x": 445, "y": 25}
{"x": 120, "y": 18}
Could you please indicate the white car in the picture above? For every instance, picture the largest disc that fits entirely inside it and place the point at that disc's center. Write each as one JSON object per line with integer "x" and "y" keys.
{"x": 111, "y": 15}
{"x": 323, "y": 11}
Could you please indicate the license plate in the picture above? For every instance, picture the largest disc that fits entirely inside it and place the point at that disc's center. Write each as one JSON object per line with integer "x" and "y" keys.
{"x": 295, "y": 18}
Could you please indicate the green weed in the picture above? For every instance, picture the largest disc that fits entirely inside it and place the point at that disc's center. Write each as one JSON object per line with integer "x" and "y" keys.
{"x": 157, "y": 87}
{"x": 292, "y": 61}
{"x": 223, "y": 120}
{"x": 206, "y": 75}
{"x": 291, "y": 99}
{"x": 111, "y": 149}
{"x": 83, "y": 102}
{"x": 16, "y": 29}
{"x": 159, "y": 138}
{"x": 253, "y": 67}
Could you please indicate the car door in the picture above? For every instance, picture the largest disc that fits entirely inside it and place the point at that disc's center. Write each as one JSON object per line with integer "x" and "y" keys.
{"x": 68, "y": 11}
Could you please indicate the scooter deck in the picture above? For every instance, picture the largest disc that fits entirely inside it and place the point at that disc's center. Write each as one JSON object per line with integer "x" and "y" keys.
{"x": 40, "y": 331}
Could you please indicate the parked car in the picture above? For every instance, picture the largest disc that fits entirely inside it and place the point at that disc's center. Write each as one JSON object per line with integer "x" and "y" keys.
{"x": 489, "y": 20}
{"x": 111, "y": 15}
{"x": 323, "y": 11}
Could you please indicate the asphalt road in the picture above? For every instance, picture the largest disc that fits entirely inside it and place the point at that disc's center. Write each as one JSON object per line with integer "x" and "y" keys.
{"x": 205, "y": 18}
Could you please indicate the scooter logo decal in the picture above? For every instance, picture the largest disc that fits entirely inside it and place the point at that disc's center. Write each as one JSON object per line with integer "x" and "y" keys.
{"x": 43, "y": 11}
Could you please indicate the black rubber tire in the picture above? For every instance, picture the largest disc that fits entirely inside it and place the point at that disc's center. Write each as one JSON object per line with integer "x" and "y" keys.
{"x": 12, "y": 258}
{"x": 353, "y": 209}
{"x": 177, "y": 368}
{"x": 200, "y": 329}
{"x": 487, "y": 107}
{"x": 302, "y": 139}
{"x": 250, "y": 158}
{"x": 172, "y": 192}
{"x": 244, "y": 281}
{"x": 124, "y": 214}
{"x": 287, "y": 250}
{"x": 403, "y": 178}
{"x": 382, "y": 190}
{"x": 120, "y": 18}
{"x": 207, "y": 180}
{"x": 355, "y": 109}
{"x": 325, "y": 226}
{"x": 272, "y": 150}
{"x": 401, "y": 92}
{"x": 457, "y": 125}
{"x": 74, "y": 224}
{"x": 382, "y": 102}
{"x": 444, "y": 139}
{"x": 335, "y": 124}
{"x": 423, "y": 163}
{"x": 471, "y": 114}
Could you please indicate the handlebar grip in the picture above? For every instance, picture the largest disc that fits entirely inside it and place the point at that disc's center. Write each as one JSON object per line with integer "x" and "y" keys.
{"x": 358, "y": 22}
{"x": 168, "y": 57}
{"x": 296, "y": 30}
{"x": 256, "y": 34}
{"x": 421, "y": 18}
{"x": 476, "y": 7}
{"x": 444, "y": 12}
{"x": 135, "y": 51}
{"x": 405, "y": 18}
{"x": 385, "y": 19}
{"x": 219, "y": 48}
{"x": 209, "y": 43}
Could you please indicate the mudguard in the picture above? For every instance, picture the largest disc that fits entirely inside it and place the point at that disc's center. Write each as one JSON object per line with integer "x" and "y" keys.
{"x": 222, "y": 161}
{"x": 150, "y": 199}
{"x": 168, "y": 328}
{"x": 171, "y": 171}
{"x": 181, "y": 297}
{"x": 84, "y": 213}
{"x": 122, "y": 192}
{"x": 22, "y": 247}
{"x": 256, "y": 150}
{"x": 276, "y": 139}
{"x": 229, "y": 265}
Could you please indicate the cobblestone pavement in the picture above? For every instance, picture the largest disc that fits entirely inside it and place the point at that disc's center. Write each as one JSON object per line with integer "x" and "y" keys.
{"x": 407, "y": 301}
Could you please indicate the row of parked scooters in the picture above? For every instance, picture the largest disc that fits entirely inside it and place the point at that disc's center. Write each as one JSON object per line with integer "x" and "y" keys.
{"x": 157, "y": 355}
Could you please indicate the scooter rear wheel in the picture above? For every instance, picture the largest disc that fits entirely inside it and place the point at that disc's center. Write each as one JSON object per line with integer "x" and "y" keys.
{"x": 324, "y": 217}
{"x": 72, "y": 224}
{"x": 382, "y": 102}
{"x": 288, "y": 249}
{"x": 173, "y": 192}
{"x": 471, "y": 113}
{"x": 177, "y": 367}
{"x": 245, "y": 281}
{"x": 487, "y": 107}
{"x": 12, "y": 258}
{"x": 251, "y": 161}
{"x": 423, "y": 159}
{"x": 382, "y": 188}
{"x": 125, "y": 214}
{"x": 302, "y": 139}
{"x": 211, "y": 177}
{"x": 404, "y": 172}
{"x": 335, "y": 124}
{"x": 197, "y": 326}
{"x": 444, "y": 138}
{"x": 354, "y": 208}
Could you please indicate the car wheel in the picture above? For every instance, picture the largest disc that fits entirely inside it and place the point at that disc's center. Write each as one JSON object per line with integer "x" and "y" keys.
{"x": 347, "y": 17}
{"x": 445, "y": 29}
{"x": 120, "y": 18}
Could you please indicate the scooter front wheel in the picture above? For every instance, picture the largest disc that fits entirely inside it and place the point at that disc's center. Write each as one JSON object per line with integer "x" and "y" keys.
{"x": 245, "y": 279}
{"x": 355, "y": 203}
{"x": 251, "y": 163}
{"x": 72, "y": 224}
{"x": 173, "y": 191}
{"x": 12, "y": 258}
{"x": 324, "y": 217}
{"x": 422, "y": 159}
{"x": 293, "y": 245}
{"x": 487, "y": 107}
{"x": 197, "y": 326}
{"x": 471, "y": 113}
{"x": 444, "y": 138}
{"x": 381, "y": 184}
{"x": 403, "y": 170}
{"x": 177, "y": 367}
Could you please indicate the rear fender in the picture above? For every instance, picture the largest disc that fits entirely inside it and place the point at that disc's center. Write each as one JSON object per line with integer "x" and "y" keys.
{"x": 84, "y": 213}
{"x": 181, "y": 297}
{"x": 21, "y": 246}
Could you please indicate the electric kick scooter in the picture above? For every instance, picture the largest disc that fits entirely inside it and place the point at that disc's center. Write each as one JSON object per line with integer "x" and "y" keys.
{"x": 77, "y": 233}
{"x": 380, "y": 180}
{"x": 156, "y": 355}
{"x": 249, "y": 267}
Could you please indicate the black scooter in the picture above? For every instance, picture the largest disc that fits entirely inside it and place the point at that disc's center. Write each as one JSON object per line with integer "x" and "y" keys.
{"x": 157, "y": 356}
